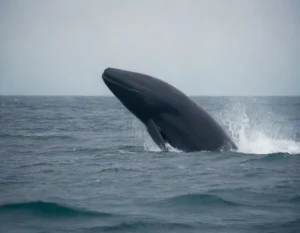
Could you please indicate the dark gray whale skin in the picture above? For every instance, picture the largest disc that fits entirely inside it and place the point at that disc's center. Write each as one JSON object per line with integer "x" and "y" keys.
{"x": 168, "y": 114}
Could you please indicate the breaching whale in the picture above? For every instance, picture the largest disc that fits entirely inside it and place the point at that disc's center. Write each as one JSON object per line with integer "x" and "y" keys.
{"x": 168, "y": 114}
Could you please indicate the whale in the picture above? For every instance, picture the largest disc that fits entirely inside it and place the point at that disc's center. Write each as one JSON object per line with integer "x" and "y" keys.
{"x": 169, "y": 115}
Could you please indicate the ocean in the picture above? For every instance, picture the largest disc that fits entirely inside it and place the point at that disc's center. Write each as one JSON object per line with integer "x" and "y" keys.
{"x": 86, "y": 164}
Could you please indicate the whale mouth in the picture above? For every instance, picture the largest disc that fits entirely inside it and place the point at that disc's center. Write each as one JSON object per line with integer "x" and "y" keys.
{"x": 111, "y": 81}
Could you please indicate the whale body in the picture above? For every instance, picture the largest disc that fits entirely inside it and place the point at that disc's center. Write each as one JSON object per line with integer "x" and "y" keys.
{"x": 169, "y": 115}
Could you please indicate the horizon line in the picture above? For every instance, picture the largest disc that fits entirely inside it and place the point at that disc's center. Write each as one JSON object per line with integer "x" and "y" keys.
{"x": 68, "y": 95}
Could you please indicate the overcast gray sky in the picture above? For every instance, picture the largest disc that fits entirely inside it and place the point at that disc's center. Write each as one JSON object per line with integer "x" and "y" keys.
{"x": 213, "y": 47}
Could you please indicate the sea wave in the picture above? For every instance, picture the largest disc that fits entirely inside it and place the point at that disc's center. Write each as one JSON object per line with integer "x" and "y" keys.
{"x": 48, "y": 209}
{"x": 198, "y": 199}
{"x": 296, "y": 200}
{"x": 142, "y": 226}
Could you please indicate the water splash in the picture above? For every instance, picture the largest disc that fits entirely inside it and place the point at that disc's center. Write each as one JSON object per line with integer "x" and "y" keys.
{"x": 256, "y": 130}
{"x": 141, "y": 134}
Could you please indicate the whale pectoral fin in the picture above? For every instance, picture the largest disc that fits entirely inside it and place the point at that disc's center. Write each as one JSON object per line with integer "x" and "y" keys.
{"x": 156, "y": 135}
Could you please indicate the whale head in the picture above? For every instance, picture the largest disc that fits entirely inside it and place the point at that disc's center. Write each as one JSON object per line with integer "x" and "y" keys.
{"x": 141, "y": 94}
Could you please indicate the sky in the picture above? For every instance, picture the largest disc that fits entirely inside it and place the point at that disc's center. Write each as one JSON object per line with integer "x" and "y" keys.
{"x": 213, "y": 47}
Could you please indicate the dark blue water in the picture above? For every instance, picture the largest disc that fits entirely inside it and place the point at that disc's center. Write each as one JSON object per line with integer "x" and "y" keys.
{"x": 85, "y": 164}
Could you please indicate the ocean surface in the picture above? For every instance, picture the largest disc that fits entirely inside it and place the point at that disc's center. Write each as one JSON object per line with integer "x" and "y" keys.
{"x": 85, "y": 164}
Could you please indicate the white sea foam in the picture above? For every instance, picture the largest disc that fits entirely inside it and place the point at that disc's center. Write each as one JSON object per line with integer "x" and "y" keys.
{"x": 258, "y": 134}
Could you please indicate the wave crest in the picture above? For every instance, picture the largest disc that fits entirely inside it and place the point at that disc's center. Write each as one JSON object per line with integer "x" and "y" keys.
{"x": 49, "y": 208}
{"x": 142, "y": 225}
{"x": 198, "y": 199}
